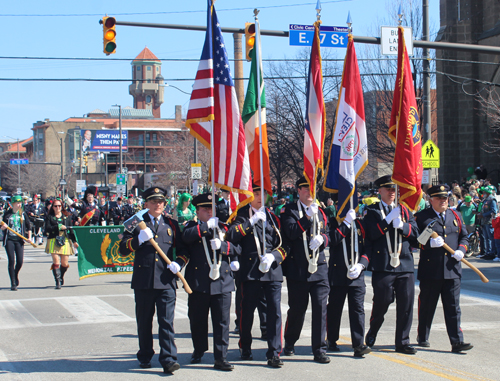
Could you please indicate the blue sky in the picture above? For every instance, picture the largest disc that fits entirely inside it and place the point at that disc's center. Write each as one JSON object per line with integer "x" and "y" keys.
{"x": 78, "y": 34}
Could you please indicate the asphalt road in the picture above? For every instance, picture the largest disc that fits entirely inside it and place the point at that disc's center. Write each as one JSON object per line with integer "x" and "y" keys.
{"x": 87, "y": 331}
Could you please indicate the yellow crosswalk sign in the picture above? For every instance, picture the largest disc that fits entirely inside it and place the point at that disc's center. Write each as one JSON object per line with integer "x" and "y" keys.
{"x": 430, "y": 155}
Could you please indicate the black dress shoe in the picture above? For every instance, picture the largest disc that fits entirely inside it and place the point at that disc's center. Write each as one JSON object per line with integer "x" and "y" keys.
{"x": 459, "y": 347}
{"x": 223, "y": 364}
{"x": 361, "y": 350}
{"x": 333, "y": 347}
{"x": 406, "y": 349}
{"x": 424, "y": 343}
{"x": 13, "y": 287}
{"x": 246, "y": 354}
{"x": 196, "y": 357}
{"x": 275, "y": 362}
{"x": 322, "y": 358}
{"x": 370, "y": 341}
{"x": 145, "y": 364}
{"x": 289, "y": 350}
{"x": 170, "y": 367}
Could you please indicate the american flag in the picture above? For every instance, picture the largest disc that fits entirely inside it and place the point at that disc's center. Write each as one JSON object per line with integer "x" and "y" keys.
{"x": 213, "y": 103}
{"x": 314, "y": 125}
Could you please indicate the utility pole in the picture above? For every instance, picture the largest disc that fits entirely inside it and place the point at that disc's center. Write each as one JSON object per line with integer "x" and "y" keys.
{"x": 18, "y": 166}
{"x": 426, "y": 68}
{"x": 120, "y": 141}
{"x": 238, "y": 70}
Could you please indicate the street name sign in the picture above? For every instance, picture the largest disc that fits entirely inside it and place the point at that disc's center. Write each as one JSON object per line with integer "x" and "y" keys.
{"x": 19, "y": 161}
{"x": 329, "y": 36}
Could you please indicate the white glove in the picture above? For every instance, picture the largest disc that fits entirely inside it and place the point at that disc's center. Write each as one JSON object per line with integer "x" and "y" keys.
{"x": 355, "y": 271}
{"x": 69, "y": 201}
{"x": 437, "y": 242}
{"x": 316, "y": 242}
{"x": 215, "y": 243}
{"x": 235, "y": 265}
{"x": 398, "y": 223}
{"x": 213, "y": 223}
{"x": 145, "y": 235}
{"x": 349, "y": 217}
{"x": 393, "y": 214}
{"x": 174, "y": 267}
{"x": 268, "y": 260}
{"x": 260, "y": 215}
{"x": 458, "y": 255}
{"x": 313, "y": 209}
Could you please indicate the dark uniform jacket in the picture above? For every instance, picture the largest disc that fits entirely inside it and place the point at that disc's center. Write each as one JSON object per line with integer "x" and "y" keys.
{"x": 241, "y": 232}
{"x": 337, "y": 270}
{"x": 150, "y": 270}
{"x": 117, "y": 214}
{"x": 222, "y": 210}
{"x": 376, "y": 242}
{"x": 296, "y": 265}
{"x": 198, "y": 268}
{"x": 85, "y": 207}
{"x": 127, "y": 211}
{"x": 37, "y": 210}
{"x": 52, "y": 226}
{"x": 25, "y": 228}
{"x": 437, "y": 263}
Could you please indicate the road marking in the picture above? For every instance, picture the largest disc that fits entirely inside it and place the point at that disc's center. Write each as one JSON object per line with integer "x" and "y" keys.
{"x": 91, "y": 309}
{"x": 14, "y": 315}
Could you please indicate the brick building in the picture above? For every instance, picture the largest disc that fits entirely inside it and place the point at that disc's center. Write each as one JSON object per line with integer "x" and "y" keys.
{"x": 463, "y": 127}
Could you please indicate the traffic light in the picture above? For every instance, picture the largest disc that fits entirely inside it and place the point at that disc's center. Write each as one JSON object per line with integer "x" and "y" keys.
{"x": 109, "y": 35}
{"x": 86, "y": 161}
{"x": 249, "y": 39}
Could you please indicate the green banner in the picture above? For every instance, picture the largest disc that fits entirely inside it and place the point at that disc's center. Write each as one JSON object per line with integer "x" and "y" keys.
{"x": 99, "y": 251}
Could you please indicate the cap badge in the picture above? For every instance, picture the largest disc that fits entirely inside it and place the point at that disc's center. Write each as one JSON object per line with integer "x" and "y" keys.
{"x": 209, "y": 196}
{"x": 442, "y": 188}
{"x": 157, "y": 190}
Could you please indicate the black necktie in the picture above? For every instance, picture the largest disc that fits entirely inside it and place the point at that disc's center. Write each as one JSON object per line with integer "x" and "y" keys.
{"x": 442, "y": 217}
{"x": 156, "y": 225}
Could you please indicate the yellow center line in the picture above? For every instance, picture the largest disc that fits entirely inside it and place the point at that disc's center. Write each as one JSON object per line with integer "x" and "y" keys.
{"x": 411, "y": 364}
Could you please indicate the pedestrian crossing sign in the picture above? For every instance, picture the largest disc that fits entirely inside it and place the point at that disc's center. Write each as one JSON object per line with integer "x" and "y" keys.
{"x": 430, "y": 155}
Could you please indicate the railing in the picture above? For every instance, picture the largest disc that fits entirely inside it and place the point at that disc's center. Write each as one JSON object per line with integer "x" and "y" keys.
{"x": 134, "y": 160}
{"x": 149, "y": 143}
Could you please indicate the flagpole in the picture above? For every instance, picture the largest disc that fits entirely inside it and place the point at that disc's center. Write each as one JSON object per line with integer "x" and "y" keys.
{"x": 261, "y": 161}
{"x": 353, "y": 232}
{"x": 212, "y": 160}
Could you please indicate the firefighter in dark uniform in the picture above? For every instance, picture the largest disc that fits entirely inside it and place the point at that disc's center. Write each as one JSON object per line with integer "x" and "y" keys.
{"x": 209, "y": 272}
{"x": 259, "y": 270}
{"x": 392, "y": 274}
{"x": 223, "y": 207}
{"x": 128, "y": 208}
{"x": 440, "y": 272}
{"x": 153, "y": 281}
{"x": 347, "y": 278}
{"x": 36, "y": 212}
{"x": 117, "y": 212}
{"x": 88, "y": 205}
{"x": 305, "y": 232}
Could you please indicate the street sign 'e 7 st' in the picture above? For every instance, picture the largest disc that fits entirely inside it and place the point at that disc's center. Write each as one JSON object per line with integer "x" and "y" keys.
{"x": 329, "y": 36}
{"x": 19, "y": 161}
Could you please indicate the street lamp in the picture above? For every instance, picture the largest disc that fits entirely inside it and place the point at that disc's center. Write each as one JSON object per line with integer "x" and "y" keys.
{"x": 19, "y": 163}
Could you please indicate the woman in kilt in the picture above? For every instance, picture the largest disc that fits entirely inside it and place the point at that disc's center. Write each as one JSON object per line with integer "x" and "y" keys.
{"x": 59, "y": 239}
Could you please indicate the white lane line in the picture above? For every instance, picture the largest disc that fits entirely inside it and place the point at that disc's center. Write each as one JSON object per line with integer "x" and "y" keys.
{"x": 91, "y": 309}
{"x": 14, "y": 315}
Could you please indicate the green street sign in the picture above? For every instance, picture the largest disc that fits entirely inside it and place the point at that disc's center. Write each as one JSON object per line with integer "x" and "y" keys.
{"x": 121, "y": 179}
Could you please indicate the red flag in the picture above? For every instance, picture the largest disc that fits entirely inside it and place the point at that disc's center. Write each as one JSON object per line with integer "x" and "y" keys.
{"x": 404, "y": 131}
{"x": 314, "y": 125}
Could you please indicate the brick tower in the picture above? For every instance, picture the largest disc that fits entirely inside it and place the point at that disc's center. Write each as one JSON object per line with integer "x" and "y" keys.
{"x": 148, "y": 93}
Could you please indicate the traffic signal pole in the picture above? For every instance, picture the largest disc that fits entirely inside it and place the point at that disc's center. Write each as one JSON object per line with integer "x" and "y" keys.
{"x": 361, "y": 39}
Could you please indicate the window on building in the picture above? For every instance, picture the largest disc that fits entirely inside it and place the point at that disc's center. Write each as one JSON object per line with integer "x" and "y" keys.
{"x": 155, "y": 137}
{"x": 149, "y": 68}
{"x": 147, "y": 137}
{"x": 149, "y": 81}
{"x": 148, "y": 97}
{"x": 138, "y": 68}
